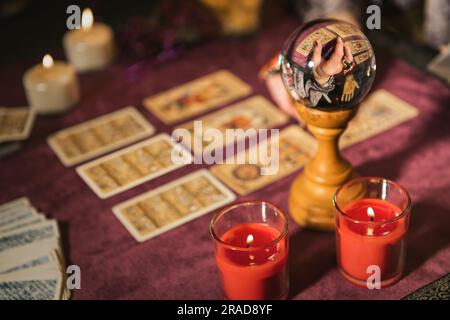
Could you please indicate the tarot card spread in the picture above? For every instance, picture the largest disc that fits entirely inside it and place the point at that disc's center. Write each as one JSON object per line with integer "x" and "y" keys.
{"x": 129, "y": 167}
{"x": 252, "y": 113}
{"x": 196, "y": 96}
{"x": 100, "y": 135}
{"x": 32, "y": 265}
{"x": 381, "y": 111}
{"x": 325, "y": 35}
{"x": 173, "y": 204}
{"x": 295, "y": 147}
{"x": 15, "y": 123}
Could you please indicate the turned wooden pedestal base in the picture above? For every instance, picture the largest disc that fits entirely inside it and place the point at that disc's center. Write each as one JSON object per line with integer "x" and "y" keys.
{"x": 310, "y": 198}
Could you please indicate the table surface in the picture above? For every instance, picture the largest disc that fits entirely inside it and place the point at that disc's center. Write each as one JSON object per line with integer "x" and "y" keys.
{"x": 180, "y": 264}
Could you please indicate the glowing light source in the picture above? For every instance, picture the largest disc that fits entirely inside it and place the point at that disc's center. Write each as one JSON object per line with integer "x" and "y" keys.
{"x": 47, "y": 61}
{"x": 87, "y": 19}
{"x": 249, "y": 240}
{"x": 370, "y": 213}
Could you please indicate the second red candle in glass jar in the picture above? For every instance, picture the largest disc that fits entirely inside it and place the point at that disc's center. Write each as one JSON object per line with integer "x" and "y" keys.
{"x": 251, "y": 251}
{"x": 372, "y": 218}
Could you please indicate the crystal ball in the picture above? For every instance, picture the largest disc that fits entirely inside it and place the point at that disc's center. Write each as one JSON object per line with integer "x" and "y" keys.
{"x": 328, "y": 64}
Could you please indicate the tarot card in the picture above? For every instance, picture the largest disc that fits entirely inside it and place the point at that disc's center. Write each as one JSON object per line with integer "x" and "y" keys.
{"x": 245, "y": 175}
{"x": 17, "y": 215}
{"x": 41, "y": 289}
{"x": 129, "y": 167}
{"x": 381, "y": 111}
{"x": 20, "y": 223}
{"x": 31, "y": 289}
{"x": 15, "y": 123}
{"x": 29, "y": 254}
{"x": 357, "y": 46}
{"x": 20, "y": 202}
{"x": 100, "y": 135}
{"x": 48, "y": 259}
{"x": 39, "y": 283}
{"x": 323, "y": 35}
{"x": 360, "y": 58}
{"x": 344, "y": 30}
{"x": 32, "y": 265}
{"x": 440, "y": 66}
{"x": 253, "y": 113}
{"x": 196, "y": 96}
{"x": 172, "y": 204}
{"x": 46, "y": 231}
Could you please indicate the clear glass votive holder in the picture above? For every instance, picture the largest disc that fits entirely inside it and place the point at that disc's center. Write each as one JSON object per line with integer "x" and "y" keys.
{"x": 372, "y": 219}
{"x": 251, "y": 250}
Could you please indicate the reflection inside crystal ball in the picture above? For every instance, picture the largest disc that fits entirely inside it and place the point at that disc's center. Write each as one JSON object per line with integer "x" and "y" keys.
{"x": 328, "y": 64}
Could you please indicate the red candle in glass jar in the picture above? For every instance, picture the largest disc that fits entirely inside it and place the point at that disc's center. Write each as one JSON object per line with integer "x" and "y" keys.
{"x": 371, "y": 232}
{"x": 252, "y": 256}
{"x": 259, "y": 271}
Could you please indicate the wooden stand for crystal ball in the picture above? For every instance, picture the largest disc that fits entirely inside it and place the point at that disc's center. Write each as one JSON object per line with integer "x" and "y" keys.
{"x": 311, "y": 194}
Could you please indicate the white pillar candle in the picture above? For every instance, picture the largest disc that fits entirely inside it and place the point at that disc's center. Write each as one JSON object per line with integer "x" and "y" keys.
{"x": 92, "y": 46}
{"x": 51, "y": 87}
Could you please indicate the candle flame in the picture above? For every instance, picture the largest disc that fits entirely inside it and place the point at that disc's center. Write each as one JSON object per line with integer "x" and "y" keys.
{"x": 371, "y": 213}
{"x": 87, "y": 19}
{"x": 249, "y": 240}
{"x": 47, "y": 61}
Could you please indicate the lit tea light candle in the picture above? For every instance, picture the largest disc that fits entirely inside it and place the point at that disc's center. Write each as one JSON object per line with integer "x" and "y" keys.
{"x": 51, "y": 87}
{"x": 92, "y": 46}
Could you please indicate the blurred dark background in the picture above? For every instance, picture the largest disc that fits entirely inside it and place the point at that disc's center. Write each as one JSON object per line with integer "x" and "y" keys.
{"x": 161, "y": 29}
{"x": 30, "y": 28}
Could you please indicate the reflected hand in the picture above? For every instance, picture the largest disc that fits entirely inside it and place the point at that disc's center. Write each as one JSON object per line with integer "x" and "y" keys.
{"x": 350, "y": 87}
{"x": 324, "y": 69}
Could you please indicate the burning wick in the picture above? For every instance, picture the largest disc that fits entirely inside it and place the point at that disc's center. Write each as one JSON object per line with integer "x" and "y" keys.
{"x": 249, "y": 243}
{"x": 249, "y": 240}
{"x": 371, "y": 214}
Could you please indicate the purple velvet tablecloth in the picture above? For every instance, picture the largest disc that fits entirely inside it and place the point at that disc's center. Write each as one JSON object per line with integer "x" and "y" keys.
{"x": 180, "y": 264}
